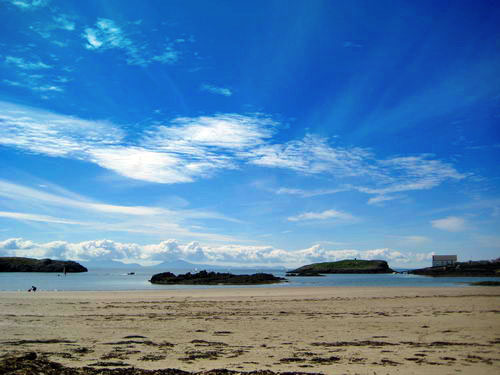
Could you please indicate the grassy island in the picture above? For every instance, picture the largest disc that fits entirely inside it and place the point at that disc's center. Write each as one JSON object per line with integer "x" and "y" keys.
{"x": 19, "y": 264}
{"x": 343, "y": 266}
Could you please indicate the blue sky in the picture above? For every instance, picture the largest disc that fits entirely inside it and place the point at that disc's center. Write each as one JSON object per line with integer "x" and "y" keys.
{"x": 263, "y": 132}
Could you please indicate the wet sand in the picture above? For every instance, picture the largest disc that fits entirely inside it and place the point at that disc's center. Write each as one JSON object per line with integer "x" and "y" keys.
{"x": 328, "y": 330}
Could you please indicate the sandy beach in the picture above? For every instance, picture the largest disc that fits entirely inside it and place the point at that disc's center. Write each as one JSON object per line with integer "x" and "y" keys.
{"x": 319, "y": 330}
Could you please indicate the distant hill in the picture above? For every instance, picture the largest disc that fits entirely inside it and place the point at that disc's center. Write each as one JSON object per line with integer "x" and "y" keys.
{"x": 176, "y": 264}
{"x": 184, "y": 265}
{"x": 110, "y": 264}
{"x": 17, "y": 264}
{"x": 343, "y": 266}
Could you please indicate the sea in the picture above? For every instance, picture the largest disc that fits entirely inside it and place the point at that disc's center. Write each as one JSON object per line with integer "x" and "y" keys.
{"x": 114, "y": 279}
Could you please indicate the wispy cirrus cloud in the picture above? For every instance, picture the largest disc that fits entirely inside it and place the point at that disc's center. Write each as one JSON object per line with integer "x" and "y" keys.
{"x": 309, "y": 193}
{"x": 324, "y": 215}
{"x": 56, "y": 206}
{"x": 311, "y": 155}
{"x": 107, "y": 34}
{"x": 379, "y": 199}
{"x": 172, "y": 249}
{"x": 169, "y": 56}
{"x": 64, "y": 22}
{"x": 34, "y": 83}
{"x": 59, "y": 22}
{"x": 29, "y": 4}
{"x": 39, "y": 218}
{"x": 450, "y": 224}
{"x": 231, "y": 131}
{"x": 32, "y": 75}
{"x": 354, "y": 168}
{"x": 216, "y": 90}
{"x": 188, "y": 148}
{"x": 52, "y": 134}
{"x": 21, "y": 63}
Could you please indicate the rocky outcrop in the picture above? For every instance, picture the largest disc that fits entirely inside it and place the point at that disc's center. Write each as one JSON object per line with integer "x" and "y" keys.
{"x": 343, "y": 266}
{"x": 462, "y": 269}
{"x": 214, "y": 278}
{"x": 17, "y": 264}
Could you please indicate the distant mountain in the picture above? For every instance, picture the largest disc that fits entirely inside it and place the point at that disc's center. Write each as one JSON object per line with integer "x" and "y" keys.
{"x": 110, "y": 264}
{"x": 182, "y": 264}
{"x": 174, "y": 264}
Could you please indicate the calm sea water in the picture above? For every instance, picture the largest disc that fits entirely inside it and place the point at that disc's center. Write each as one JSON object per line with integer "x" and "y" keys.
{"x": 117, "y": 279}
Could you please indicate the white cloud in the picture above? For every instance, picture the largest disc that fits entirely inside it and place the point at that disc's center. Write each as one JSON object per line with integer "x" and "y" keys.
{"x": 216, "y": 90}
{"x": 66, "y": 199}
{"x": 39, "y": 218}
{"x": 170, "y": 56}
{"x": 64, "y": 22}
{"x": 328, "y": 214}
{"x": 358, "y": 168}
{"x": 26, "y": 65}
{"x": 229, "y": 131}
{"x": 309, "y": 193}
{"x": 61, "y": 21}
{"x": 29, "y": 4}
{"x": 311, "y": 155}
{"x": 143, "y": 164}
{"x": 35, "y": 82}
{"x": 197, "y": 253}
{"x": 51, "y": 134}
{"x": 103, "y": 217}
{"x": 108, "y": 35}
{"x": 381, "y": 198}
{"x": 49, "y": 88}
{"x": 450, "y": 224}
{"x": 188, "y": 148}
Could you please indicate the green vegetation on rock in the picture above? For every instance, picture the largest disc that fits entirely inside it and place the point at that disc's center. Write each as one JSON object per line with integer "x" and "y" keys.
{"x": 462, "y": 269}
{"x": 343, "y": 266}
{"x": 18, "y": 264}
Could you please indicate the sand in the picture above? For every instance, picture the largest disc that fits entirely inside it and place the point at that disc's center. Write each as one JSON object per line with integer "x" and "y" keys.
{"x": 327, "y": 330}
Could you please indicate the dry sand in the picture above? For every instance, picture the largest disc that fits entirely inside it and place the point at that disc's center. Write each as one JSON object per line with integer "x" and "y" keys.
{"x": 328, "y": 330}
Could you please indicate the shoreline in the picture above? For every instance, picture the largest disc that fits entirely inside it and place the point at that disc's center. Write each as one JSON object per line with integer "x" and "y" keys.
{"x": 261, "y": 291}
{"x": 329, "y": 330}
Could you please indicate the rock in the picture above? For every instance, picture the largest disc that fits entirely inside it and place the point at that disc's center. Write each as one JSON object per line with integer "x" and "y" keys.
{"x": 17, "y": 264}
{"x": 461, "y": 269}
{"x": 214, "y": 278}
{"x": 486, "y": 283}
{"x": 343, "y": 266}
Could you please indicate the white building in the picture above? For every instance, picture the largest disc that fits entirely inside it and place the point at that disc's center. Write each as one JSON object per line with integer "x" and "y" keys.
{"x": 443, "y": 260}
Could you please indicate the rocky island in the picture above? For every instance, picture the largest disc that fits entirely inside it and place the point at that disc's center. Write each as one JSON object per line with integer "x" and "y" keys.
{"x": 18, "y": 264}
{"x": 214, "y": 278}
{"x": 342, "y": 266}
{"x": 476, "y": 268}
